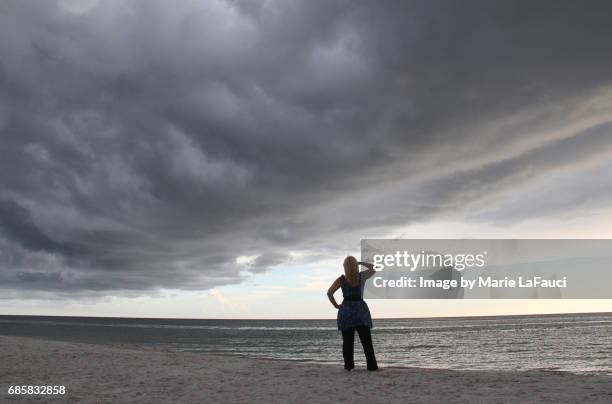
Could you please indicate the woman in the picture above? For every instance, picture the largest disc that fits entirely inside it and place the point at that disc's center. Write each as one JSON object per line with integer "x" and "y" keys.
{"x": 353, "y": 312}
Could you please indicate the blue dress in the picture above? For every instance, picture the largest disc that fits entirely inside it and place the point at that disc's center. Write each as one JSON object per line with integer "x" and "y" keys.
{"x": 354, "y": 312}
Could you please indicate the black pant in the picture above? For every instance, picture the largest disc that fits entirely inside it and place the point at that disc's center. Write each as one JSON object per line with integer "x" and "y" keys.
{"x": 348, "y": 345}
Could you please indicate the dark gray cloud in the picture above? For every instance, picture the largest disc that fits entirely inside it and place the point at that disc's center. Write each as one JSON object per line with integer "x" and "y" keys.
{"x": 16, "y": 225}
{"x": 146, "y": 144}
{"x": 267, "y": 260}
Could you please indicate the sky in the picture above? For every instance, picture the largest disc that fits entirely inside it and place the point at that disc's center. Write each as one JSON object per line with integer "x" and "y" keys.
{"x": 219, "y": 159}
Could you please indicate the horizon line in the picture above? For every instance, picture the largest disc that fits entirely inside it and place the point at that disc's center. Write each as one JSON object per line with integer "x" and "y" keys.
{"x": 315, "y": 319}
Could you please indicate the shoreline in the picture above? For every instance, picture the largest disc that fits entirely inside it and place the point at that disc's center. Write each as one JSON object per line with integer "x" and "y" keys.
{"x": 133, "y": 373}
{"x": 358, "y": 358}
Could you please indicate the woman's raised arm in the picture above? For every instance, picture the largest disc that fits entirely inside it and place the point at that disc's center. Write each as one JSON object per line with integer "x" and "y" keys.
{"x": 368, "y": 272}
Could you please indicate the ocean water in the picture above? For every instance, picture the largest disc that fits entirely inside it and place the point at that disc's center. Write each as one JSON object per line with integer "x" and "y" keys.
{"x": 580, "y": 343}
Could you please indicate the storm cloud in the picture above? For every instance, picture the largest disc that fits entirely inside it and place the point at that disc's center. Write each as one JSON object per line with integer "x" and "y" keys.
{"x": 156, "y": 144}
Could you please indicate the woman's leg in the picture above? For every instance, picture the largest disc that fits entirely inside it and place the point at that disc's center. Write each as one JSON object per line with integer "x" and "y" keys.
{"x": 348, "y": 342}
{"x": 366, "y": 340}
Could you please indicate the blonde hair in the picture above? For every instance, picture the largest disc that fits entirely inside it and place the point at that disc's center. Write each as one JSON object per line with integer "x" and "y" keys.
{"x": 351, "y": 270}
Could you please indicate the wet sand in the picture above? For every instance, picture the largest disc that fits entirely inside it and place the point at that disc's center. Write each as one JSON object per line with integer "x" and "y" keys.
{"x": 100, "y": 373}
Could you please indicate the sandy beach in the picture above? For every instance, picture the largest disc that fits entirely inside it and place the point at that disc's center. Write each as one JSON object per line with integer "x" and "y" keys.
{"x": 96, "y": 373}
